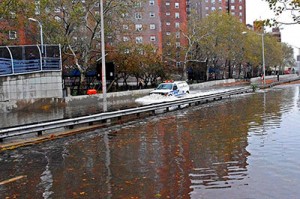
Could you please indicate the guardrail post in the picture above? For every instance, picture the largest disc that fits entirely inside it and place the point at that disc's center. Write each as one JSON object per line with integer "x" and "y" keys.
{"x": 153, "y": 112}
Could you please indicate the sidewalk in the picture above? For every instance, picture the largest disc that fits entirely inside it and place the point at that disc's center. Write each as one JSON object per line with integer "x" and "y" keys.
{"x": 271, "y": 81}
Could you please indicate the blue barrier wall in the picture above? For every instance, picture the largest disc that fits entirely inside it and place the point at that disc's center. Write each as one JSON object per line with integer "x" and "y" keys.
{"x": 27, "y": 72}
{"x": 16, "y": 60}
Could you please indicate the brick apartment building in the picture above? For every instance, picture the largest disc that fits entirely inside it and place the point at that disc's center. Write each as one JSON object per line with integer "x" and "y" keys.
{"x": 235, "y": 7}
{"x": 163, "y": 22}
{"x": 13, "y": 32}
{"x": 160, "y": 22}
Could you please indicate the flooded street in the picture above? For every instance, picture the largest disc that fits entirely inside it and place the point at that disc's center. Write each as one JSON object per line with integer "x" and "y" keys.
{"x": 243, "y": 147}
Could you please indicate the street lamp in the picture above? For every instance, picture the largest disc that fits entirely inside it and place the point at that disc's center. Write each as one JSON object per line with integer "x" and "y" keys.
{"x": 41, "y": 32}
{"x": 263, "y": 54}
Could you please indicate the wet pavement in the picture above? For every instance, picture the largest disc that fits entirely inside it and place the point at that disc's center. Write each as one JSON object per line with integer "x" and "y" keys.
{"x": 242, "y": 147}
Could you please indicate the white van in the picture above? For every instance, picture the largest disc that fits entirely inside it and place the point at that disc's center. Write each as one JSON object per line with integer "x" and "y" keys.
{"x": 170, "y": 88}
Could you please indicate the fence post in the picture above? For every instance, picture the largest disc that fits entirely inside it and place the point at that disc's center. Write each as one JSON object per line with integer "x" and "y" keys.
{"x": 41, "y": 57}
{"x": 12, "y": 60}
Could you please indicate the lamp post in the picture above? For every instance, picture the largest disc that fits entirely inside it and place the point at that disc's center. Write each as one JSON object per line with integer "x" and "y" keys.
{"x": 41, "y": 33}
{"x": 263, "y": 55}
{"x": 103, "y": 58}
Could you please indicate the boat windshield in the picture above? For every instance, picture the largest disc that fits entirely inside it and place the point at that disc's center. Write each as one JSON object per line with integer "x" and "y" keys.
{"x": 164, "y": 86}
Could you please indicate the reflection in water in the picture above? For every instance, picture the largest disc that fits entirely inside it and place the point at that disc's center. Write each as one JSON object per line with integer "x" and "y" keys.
{"x": 72, "y": 109}
{"x": 244, "y": 147}
{"x": 46, "y": 180}
{"x": 107, "y": 164}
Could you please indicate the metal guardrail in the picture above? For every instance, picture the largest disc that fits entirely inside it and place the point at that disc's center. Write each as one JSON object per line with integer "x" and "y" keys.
{"x": 40, "y": 127}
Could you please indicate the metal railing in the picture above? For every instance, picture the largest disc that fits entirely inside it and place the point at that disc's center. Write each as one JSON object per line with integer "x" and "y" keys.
{"x": 15, "y": 60}
{"x": 40, "y": 127}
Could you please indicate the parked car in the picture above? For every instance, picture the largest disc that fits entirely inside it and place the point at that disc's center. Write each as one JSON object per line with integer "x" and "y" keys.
{"x": 172, "y": 88}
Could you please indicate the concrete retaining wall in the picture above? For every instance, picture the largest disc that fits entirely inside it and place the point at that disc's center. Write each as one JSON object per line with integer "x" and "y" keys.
{"x": 141, "y": 92}
{"x": 52, "y": 83}
{"x": 211, "y": 83}
{"x": 31, "y": 86}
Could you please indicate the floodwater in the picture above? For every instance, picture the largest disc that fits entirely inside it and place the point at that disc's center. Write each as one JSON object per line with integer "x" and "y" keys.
{"x": 243, "y": 147}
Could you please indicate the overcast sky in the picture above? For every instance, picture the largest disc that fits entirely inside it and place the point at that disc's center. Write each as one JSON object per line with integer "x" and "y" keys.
{"x": 259, "y": 9}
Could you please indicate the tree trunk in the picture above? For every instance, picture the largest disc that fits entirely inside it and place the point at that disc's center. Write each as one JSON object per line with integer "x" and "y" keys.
{"x": 229, "y": 70}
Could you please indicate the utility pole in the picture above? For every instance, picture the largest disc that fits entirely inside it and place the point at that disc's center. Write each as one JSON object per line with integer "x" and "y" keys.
{"x": 103, "y": 58}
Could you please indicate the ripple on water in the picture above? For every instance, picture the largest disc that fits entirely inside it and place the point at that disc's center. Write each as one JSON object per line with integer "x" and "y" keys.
{"x": 221, "y": 175}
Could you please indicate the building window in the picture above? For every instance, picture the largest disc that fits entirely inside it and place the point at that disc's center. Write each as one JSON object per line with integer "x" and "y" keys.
{"x": 232, "y": 1}
{"x": 57, "y": 18}
{"x": 176, "y": 5}
{"x": 167, "y": 13}
{"x": 125, "y": 39}
{"x": 138, "y": 4}
{"x": 138, "y": 15}
{"x": 12, "y": 34}
{"x": 177, "y": 44}
{"x": 13, "y": 15}
{"x": 168, "y": 23}
{"x": 152, "y": 38}
{"x": 139, "y": 40}
{"x": 97, "y": 35}
{"x": 57, "y": 10}
{"x": 177, "y": 25}
{"x": 177, "y": 35}
{"x": 232, "y": 7}
{"x": 125, "y": 15}
{"x": 152, "y": 14}
{"x": 138, "y": 27}
{"x": 125, "y": 27}
{"x": 152, "y": 26}
{"x": 168, "y": 33}
{"x": 151, "y": 2}
{"x": 241, "y": 7}
{"x": 167, "y": 3}
{"x": 176, "y": 15}
{"x": 178, "y": 64}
